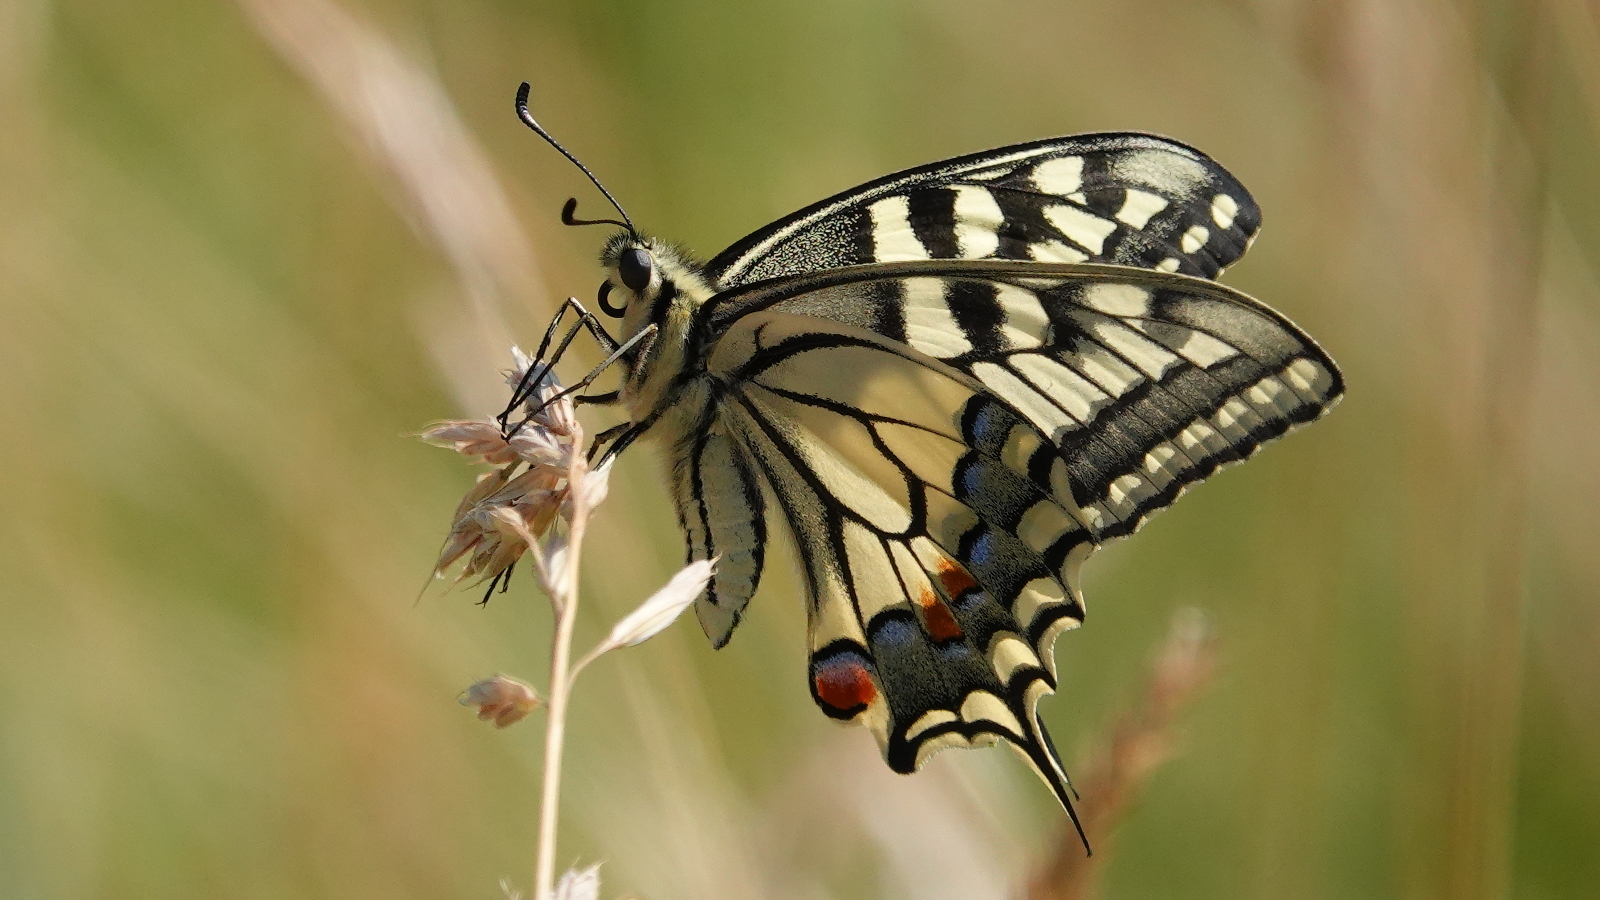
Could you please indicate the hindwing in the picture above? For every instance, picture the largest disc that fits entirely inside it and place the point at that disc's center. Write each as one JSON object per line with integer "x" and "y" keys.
{"x": 938, "y": 573}
{"x": 722, "y": 511}
{"x": 1130, "y": 199}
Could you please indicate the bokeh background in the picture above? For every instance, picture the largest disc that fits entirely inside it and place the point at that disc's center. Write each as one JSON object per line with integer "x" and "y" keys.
{"x": 247, "y": 249}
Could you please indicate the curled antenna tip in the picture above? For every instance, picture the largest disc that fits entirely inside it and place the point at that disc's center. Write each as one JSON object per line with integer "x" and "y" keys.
{"x": 568, "y": 217}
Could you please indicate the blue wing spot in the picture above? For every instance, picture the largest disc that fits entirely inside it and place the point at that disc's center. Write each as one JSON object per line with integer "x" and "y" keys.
{"x": 893, "y": 633}
{"x": 982, "y": 551}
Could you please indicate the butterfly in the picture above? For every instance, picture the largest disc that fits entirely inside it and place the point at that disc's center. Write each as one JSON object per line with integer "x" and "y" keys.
{"x": 951, "y": 384}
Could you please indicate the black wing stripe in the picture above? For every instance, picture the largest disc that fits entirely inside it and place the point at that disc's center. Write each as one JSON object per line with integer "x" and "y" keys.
{"x": 999, "y": 560}
{"x": 1142, "y": 426}
{"x": 1142, "y": 410}
{"x": 932, "y": 218}
{"x": 815, "y": 521}
{"x": 1198, "y": 348}
{"x": 1006, "y": 499}
{"x": 1142, "y": 406}
{"x": 690, "y": 502}
{"x": 805, "y": 496}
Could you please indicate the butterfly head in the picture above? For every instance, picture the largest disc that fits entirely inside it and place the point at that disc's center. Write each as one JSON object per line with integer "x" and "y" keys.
{"x": 644, "y": 277}
{"x": 633, "y": 277}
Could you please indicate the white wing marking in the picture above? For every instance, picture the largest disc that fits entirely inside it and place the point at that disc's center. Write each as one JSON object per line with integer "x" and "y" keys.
{"x": 928, "y": 721}
{"x": 1149, "y": 357}
{"x": 1194, "y": 238}
{"x": 1008, "y": 653}
{"x": 892, "y": 237}
{"x": 1087, "y": 230}
{"x": 1022, "y": 397}
{"x": 982, "y": 706}
{"x": 1070, "y": 391}
{"x": 1055, "y": 251}
{"x": 930, "y": 326}
{"x": 1138, "y": 206}
{"x": 1026, "y": 325}
{"x": 1223, "y": 209}
{"x": 977, "y": 221}
{"x": 1060, "y": 176}
{"x": 1043, "y": 524}
{"x": 1117, "y": 299}
{"x": 877, "y": 586}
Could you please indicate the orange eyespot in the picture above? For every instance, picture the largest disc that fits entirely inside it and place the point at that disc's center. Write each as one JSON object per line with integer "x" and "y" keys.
{"x": 954, "y": 578}
{"x": 937, "y": 618}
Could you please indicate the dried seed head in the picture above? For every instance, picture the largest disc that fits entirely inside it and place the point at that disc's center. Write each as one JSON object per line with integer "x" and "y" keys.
{"x": 482, "y": 440}
{"x": 502, "y": 700}
{"x": 559, "y": 416}
{"x": 513, "y": 508}
{"x": 471, "y": 438}
{"x": 498, "y": 520}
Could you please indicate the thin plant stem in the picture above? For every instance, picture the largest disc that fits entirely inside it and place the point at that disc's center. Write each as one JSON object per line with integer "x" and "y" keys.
{"x": 566, "y": 609}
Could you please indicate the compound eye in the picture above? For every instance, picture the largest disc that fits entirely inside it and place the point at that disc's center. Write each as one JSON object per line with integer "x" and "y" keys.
{"x": 635, "y": 268}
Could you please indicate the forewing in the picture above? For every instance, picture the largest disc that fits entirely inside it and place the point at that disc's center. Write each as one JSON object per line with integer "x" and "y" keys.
{"x": 1130, "y": 199}
{"x": 1142, "y": 383}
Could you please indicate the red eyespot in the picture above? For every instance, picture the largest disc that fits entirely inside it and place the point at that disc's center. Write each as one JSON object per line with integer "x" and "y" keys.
{"x": 843, "y": 685}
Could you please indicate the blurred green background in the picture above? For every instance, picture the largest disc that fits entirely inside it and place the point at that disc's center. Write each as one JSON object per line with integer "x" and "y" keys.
{"x": 246, "y": 249}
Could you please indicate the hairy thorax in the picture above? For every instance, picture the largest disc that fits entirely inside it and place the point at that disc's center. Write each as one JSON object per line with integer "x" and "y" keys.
{"x": 665, "y": 380}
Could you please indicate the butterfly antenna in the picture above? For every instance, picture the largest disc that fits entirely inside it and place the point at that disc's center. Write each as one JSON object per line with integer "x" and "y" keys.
{"x": 571, "y": 206}
{"x": 566, "y": 212}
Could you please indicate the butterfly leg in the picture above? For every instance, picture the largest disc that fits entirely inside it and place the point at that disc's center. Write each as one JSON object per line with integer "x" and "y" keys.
{"x": 536, "y": 373}
{"x": 620, "y": 437}
{"x": 583, "y": 382}
{"x": 606, "y": 399}
{"x": 588, "y": 319}
{"x": 606, "y": 437}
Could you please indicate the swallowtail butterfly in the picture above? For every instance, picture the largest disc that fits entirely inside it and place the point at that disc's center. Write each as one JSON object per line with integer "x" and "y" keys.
{"x": 952, "y": 384}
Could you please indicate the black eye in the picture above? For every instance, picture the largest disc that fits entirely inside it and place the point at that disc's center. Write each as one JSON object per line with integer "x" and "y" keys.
{"x": 635, "y": 268}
